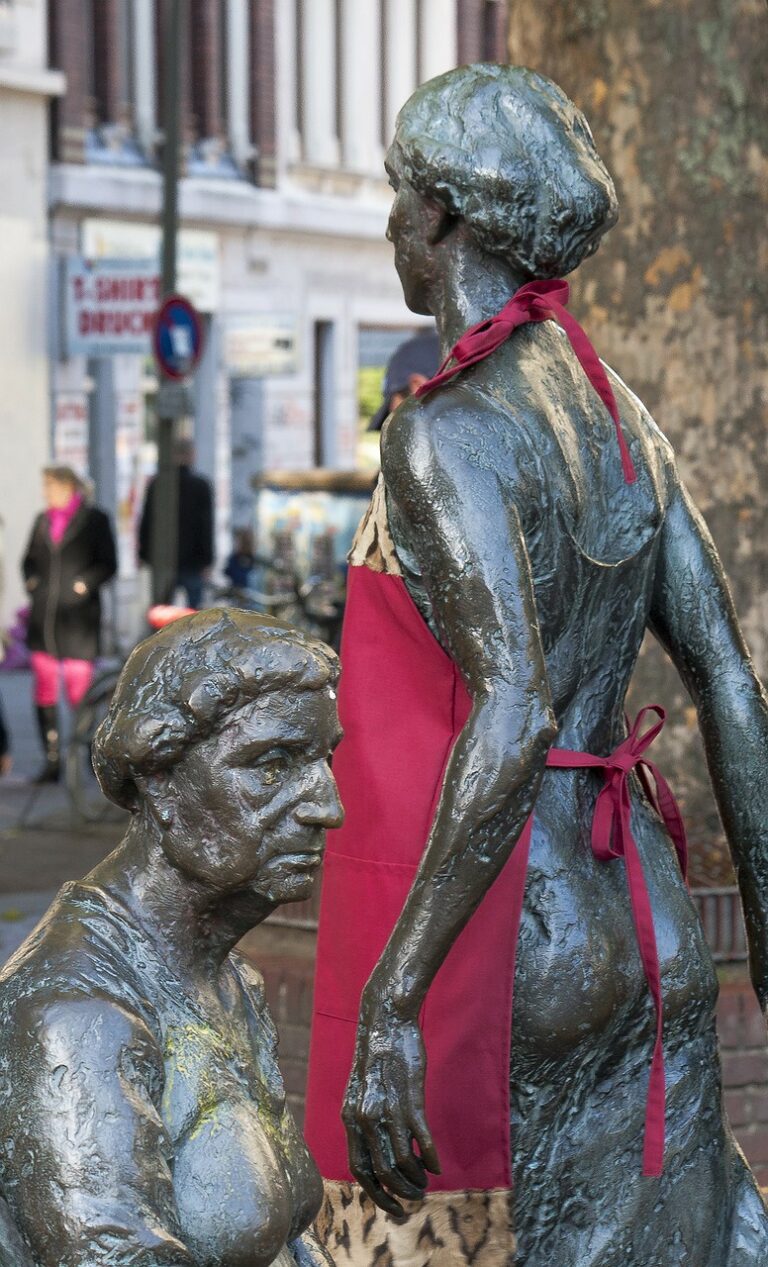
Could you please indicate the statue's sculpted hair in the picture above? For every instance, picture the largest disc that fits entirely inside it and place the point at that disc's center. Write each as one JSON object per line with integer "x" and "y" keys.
{"x": 506, "y": 150}
{"x": 180, "y": 685}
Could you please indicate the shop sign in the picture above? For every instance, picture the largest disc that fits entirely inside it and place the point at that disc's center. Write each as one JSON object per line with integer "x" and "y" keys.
{"x": 109, "y": 306}
{"x": 197, "y": 256}
{"x": 261, "y": 346}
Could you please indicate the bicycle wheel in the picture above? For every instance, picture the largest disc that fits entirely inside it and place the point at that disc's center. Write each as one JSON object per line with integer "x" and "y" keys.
{"x": 82, "y": 786}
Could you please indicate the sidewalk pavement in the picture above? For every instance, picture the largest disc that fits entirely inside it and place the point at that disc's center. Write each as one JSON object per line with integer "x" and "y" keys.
{"x": 43, "y": 842}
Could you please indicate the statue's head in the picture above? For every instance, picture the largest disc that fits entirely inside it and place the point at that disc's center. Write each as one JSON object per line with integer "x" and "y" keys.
{"x": 503, "y": 151}
{"x": 219, "y": 733}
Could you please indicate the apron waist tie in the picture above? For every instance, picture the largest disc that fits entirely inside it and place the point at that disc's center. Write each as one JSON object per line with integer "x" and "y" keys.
{"x": 612, "y": 838}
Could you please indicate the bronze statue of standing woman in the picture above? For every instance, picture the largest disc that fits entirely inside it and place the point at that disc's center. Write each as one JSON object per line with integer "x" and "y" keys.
{"x": 518, "y": 547}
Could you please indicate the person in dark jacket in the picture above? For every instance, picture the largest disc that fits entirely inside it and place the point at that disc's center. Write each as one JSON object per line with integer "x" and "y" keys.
{"x": 195, "y": 537}
{"x": 71, "y": 554}
{"x": 241, "y": 561}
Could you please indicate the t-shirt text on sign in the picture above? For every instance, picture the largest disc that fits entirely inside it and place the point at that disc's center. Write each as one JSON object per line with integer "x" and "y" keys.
{"x": 110, "y": 306}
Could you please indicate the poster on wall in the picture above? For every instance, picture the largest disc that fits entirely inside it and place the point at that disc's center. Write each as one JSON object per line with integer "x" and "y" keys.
{"x": 70, "y": 431}
{"x": 262, "y": 345}
{"x": 129, "y": 435}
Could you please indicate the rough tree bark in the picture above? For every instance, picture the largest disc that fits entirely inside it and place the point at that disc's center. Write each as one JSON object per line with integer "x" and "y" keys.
{"x": 677, "y": 297}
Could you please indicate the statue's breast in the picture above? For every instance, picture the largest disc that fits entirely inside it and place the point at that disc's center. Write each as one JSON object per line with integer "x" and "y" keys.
{"x": 232, "y": 1190}
{"x": 243, "y": 1180}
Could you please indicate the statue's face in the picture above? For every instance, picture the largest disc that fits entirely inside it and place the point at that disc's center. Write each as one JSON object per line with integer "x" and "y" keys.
{"x": 249, "y": 807}
{"x": 408, "y": 231}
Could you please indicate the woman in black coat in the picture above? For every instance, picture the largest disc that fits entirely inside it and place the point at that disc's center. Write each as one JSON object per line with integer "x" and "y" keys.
{"x": 71, "y": 554}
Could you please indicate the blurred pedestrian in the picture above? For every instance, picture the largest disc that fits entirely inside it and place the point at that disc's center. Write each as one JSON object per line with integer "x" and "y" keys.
{"x": 71, "y": 554}
{"x": 241, "y": 560}
{"x": 195, "y": 529}
{"x": 412, "y": 363}
{"x": 6, "y": 761}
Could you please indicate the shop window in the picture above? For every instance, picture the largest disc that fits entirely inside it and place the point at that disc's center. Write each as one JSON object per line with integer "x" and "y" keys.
{"x": 375, "y": 346}
{"x": 325, "y": 375}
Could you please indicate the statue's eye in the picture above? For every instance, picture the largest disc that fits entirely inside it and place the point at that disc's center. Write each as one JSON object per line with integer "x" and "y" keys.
{"x": 273, "y": 765}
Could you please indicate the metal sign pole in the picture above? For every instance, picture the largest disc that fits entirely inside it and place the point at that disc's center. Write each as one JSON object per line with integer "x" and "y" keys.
{"x": 165, "y": 518}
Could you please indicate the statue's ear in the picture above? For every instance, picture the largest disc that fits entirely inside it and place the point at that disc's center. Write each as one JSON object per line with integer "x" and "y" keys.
{"x": 156, "y": 792}
{"x": 439, "y": 221}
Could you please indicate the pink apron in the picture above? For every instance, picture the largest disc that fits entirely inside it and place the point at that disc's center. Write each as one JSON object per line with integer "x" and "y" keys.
{"x": 403, "y": 704}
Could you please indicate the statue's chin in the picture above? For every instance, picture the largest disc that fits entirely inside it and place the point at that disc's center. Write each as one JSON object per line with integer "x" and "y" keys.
{"x": 417, "y": 302}
{"x": 292, "y": 887}
{"x": 414, "y": 294}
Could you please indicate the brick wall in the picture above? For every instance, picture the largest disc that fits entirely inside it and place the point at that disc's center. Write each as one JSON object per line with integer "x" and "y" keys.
{"x": 263, "y": 91}
{"x": 110, "y": 90}
{"x": 742, "y": 1032}
{"x": 469, "y": 30}
{"x": 482, "y": 30}
{"x": 72, "y": 113}
{"x": 286, "y": 959}
{"x": 206, "y": 36}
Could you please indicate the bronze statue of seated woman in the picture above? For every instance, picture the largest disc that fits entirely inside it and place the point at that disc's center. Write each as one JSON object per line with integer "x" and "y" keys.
{"x": 142, "y": 1114}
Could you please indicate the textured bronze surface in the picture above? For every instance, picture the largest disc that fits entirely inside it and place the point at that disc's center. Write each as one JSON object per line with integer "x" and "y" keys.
{"x": 677, "y": 300}
{"x": 142, "y": 1113}
{"x": 540, "y": 570}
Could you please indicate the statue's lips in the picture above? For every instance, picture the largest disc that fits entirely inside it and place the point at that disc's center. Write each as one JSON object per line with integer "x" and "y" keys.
{"x": 302, "y": 858}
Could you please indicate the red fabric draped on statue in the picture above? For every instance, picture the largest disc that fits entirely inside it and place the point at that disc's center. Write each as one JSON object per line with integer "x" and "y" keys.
{"x": 536, "y": 301}
{"x": 402, "y": 705}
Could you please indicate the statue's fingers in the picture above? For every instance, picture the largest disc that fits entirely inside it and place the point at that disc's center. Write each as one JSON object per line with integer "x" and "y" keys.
{"x": 387, "y": 1172}
{"x": 423, "y": 1137}
{"x": 361, "y": 1166}
{"x": 408, "y": 1163}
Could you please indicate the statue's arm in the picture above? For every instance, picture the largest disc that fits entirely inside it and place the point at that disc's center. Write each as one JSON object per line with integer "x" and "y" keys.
{"x": 464, "y": 529}
{"x": 86, "y": 1179}
{"x": 693, "y": 617}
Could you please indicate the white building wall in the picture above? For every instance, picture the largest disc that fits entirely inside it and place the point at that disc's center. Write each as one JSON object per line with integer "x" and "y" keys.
{"x": 312, "y": 250}
{"x": 438, "y": 42}
{"x": 318, "y": 83}
{"x": 25, "y": 87}
{"x": 319, "y": 279}
{"x": 400, "y": 57}
{"x": 361, "y": 87}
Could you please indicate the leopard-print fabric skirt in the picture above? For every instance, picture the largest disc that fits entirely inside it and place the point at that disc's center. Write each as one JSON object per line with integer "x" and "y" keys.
{"x": 446, "y": 1229}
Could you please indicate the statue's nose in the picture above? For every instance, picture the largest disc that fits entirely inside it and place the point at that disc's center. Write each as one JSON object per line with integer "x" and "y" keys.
{"x": 321, "y": 804}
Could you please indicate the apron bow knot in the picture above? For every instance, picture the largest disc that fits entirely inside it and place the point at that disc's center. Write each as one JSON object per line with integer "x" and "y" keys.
{"x": 612, "y": 838}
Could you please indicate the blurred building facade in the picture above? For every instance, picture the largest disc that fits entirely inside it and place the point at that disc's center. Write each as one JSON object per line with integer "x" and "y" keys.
{"x": 26, "y": 88}
{"x": 287, "y": 109}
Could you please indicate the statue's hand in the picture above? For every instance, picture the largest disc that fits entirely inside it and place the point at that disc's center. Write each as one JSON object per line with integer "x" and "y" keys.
{"x": 383, "y": 1111}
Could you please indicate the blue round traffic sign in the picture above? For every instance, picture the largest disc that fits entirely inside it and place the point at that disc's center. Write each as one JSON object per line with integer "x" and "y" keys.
{"x": 177, "y": 337}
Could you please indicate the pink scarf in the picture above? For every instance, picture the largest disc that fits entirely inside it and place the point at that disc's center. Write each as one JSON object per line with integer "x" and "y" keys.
{"x": 60, "y": 517}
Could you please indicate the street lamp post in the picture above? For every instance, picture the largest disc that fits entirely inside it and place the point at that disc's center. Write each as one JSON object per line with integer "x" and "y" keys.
{"x": 165, "y": 526}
